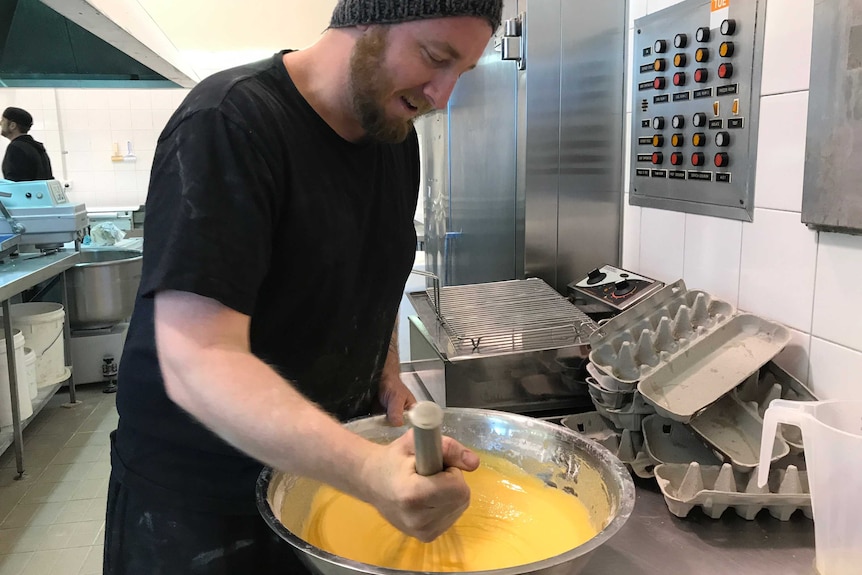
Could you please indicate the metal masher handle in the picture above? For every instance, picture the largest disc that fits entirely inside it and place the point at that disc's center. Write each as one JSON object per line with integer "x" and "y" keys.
{"x": 426, "y": 417}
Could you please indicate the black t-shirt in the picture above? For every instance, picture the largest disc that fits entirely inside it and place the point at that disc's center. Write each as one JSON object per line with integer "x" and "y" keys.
{"x": 26, "y": 160}
{"x": 256, "y": 202}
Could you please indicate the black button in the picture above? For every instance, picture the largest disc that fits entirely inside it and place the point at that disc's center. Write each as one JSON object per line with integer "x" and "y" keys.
{"x": 728, "y": 27}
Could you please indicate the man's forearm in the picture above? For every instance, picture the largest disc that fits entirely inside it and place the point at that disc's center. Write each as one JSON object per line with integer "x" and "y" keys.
{"x": 246, "y": 403}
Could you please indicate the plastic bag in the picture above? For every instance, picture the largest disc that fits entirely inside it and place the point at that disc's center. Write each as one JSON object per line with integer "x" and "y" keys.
{"x": 106, "y": 234}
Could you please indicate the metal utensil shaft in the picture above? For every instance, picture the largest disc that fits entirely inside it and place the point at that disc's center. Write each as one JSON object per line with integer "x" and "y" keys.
{"x": 426, "y": 417}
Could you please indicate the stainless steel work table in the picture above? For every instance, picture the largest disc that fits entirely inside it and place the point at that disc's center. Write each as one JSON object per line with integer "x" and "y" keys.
{"x": 655, "y": 542}
{"x": 16, "y": 275}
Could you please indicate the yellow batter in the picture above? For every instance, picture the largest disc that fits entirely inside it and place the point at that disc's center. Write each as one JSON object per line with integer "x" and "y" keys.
{"x": 513, "y": 519}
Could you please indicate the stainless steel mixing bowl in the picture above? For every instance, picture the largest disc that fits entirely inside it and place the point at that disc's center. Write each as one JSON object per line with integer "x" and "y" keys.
{"x": 102, "y": 287}
{"x": 560, "y": 457}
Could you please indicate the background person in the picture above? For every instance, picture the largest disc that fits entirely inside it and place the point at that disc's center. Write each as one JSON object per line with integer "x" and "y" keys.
{"x": 25, "y": 159}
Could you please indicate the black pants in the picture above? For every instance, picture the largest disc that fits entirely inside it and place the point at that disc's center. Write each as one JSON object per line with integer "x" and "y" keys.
{"x": 144, "y": 537}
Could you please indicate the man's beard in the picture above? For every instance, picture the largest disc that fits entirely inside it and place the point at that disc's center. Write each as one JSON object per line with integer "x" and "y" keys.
{"x": 371, "y": 85}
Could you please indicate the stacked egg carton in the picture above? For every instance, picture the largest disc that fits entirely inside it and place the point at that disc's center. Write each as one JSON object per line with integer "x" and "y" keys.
{"x": 686, "y": 380}
{"x": 715, "y": 488}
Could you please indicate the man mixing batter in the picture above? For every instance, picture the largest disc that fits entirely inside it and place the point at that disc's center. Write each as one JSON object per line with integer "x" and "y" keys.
{"x": 279, "y": 238}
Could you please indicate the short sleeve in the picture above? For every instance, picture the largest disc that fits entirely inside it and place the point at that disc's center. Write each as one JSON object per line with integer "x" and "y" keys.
{"x": 211, "y": 209}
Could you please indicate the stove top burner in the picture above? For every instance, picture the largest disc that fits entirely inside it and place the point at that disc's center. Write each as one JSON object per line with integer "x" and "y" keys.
{"x": 615, "y": 287}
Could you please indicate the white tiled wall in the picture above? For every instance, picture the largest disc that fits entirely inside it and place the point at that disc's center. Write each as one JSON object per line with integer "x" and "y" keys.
{"x": 80, "y": 129}
{"x": 775, "y": 266}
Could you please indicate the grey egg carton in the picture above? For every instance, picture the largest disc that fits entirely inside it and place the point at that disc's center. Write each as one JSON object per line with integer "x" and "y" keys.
{"x": 656, "y": 331}
{"x": 699, "y": 375}
{"x": 772, "y": 382}
{"x": 734, "y": 429}
{"x": 612, "y": 399}
{"x": 716, "y": 488}
{"x": 630, "y": 416}
{"x": 670, "y": 442}
{"x": 626, "y": 444}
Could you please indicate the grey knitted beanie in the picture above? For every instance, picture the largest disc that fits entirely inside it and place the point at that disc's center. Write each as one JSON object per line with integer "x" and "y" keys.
{"x": 355, "y": 12}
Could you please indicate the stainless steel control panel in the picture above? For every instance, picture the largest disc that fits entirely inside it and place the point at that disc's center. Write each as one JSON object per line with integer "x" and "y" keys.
{"x": 696, "y": 94}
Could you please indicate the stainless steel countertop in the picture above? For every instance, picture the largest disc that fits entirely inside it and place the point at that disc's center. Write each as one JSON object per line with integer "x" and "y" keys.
{"x": 655, "y": 542}
{"x": 23, "y": 272}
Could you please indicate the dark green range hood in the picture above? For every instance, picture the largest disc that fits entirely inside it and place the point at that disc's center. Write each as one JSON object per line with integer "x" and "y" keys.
{"x": 40, "y": 47}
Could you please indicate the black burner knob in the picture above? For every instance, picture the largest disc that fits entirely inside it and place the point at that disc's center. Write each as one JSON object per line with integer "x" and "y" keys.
{"x": 623, "y": 287}
{"x": 595, "y": 276}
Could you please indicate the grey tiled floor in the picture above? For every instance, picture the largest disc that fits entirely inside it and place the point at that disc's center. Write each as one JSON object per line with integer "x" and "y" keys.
{"x": 53, "y": 520}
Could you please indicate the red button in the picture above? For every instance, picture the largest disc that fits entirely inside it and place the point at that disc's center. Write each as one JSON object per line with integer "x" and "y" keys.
{"x": 657, "y": 158}
{"x": 722, "y": 160}
{"x": 679, "y": 79}
{"x": 701, "y": 75}
{"x": 725, "y": 71}
{"x": 676, "y": 159}
{"x": 659, "y": 83}
{"x": 697, "y": 159}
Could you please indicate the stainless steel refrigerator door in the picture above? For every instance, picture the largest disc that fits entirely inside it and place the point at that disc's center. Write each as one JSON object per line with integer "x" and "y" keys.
{"x": 481, "y": 228}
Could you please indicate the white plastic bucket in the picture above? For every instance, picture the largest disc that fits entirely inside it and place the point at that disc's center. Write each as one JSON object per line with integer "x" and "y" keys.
{"x": 42, "y": 326}
{"x": 30, "y": 371}
{"x": 24, "y": 403}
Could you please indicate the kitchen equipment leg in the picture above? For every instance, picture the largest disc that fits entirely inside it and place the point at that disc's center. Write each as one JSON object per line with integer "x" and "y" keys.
{"x": 67, "y": 336}
{"x": 18, "y": 438}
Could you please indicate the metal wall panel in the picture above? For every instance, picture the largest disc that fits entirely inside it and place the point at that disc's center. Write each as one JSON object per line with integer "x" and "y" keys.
{"x": 542, "y": 157}
{"x": 592, "y": 108}
{"x": 833, "y": 171}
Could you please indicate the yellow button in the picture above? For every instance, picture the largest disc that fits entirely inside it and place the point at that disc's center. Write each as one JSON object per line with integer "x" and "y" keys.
{"x": 726, "y": 49}
{"x": 697, "y": 139}
{"x": 735, "y": 107}
{"x": 676, "y": 140}
{"x": 679, "y": 60}
{"x": 657, "y": 141}
{"x": 702, "y": 54}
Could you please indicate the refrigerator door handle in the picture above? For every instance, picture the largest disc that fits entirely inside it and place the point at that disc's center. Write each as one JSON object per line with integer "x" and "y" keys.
{"x": 513, "y": 44}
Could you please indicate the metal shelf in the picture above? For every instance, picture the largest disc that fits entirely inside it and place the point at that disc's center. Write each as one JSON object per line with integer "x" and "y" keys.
{"x": 16, "y": 275}
{"x": 7, "y": 436}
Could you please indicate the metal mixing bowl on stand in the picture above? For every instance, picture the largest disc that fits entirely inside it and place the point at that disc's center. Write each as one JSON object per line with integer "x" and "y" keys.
{"x": 560, "y": 457}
